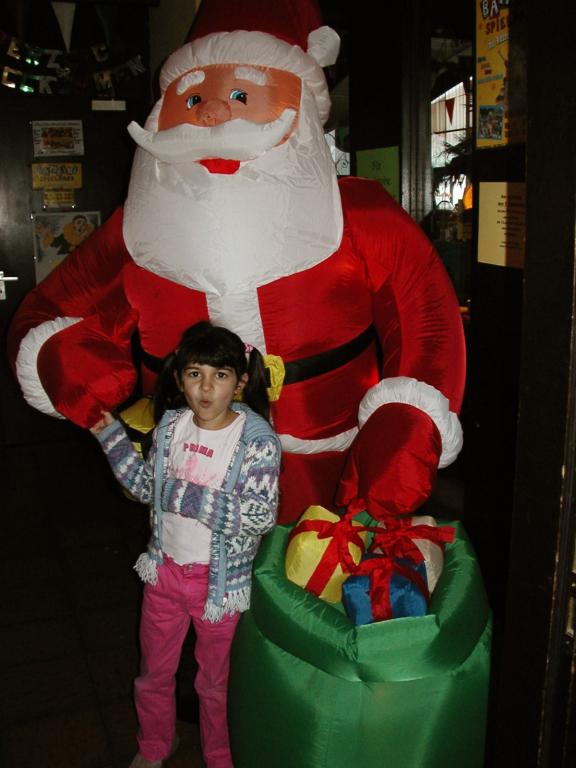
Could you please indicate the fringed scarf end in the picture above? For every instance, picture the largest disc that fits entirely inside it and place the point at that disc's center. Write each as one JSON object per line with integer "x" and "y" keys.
{"x": 146, "y": 568}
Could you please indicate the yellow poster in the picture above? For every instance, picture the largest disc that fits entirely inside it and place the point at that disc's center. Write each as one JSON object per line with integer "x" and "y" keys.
{"x": 57, "y": 234}
{"x": 502, "y": 223}
{"x": 492, "y": 54}
{"x": 56, "y": 175}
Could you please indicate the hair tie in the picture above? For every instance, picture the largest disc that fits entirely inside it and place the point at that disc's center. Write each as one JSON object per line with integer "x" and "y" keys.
{"x": 248, "y": 348}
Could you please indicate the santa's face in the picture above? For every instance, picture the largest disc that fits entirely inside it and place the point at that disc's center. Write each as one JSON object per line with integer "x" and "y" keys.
{"x": 226, "y": 233}
{"x": 219, "y": 93}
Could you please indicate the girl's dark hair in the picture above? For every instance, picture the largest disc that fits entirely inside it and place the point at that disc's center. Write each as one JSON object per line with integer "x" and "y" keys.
{"x": 208, "y": 344}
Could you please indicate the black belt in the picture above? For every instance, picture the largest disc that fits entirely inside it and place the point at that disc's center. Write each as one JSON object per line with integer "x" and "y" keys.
{"x": 303, "y": 369}
{"x": 324, "y": 362}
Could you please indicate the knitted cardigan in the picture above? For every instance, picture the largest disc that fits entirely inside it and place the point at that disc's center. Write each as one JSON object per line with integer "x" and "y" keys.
{"x": 238, "y": 513}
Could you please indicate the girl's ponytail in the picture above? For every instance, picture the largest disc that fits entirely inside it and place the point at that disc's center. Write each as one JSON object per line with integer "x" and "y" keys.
{"x": 167, "y": 394}
{"x": 255, "y": 393}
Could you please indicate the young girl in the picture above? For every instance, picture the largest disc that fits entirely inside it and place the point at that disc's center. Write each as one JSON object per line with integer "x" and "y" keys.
{"x": 211, "y": 480}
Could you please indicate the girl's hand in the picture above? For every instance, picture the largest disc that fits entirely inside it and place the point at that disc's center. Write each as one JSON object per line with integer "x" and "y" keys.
{"x": 106, "y": 419}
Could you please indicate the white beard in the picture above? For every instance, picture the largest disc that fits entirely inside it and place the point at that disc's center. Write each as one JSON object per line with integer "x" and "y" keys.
{"x": 226, "y": 235}
{"x": 235, "y": 139}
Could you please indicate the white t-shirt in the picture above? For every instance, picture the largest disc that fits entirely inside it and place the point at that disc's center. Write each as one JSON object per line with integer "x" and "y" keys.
{"x": 200, "y": 456}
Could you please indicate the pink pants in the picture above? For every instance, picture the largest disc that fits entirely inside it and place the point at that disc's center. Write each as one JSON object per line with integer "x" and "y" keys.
{"x": 167, "y": 609}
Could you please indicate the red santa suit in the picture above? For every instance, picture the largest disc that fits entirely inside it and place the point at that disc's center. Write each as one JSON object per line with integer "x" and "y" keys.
{"x": 331, "y": 278}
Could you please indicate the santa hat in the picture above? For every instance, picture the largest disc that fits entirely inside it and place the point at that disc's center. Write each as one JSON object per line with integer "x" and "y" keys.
{"x": 284, "y": 34}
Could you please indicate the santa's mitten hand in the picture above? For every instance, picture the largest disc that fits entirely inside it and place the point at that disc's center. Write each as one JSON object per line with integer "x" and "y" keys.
{"x": 87, "y": 368}
{"x": 393, "y": 461}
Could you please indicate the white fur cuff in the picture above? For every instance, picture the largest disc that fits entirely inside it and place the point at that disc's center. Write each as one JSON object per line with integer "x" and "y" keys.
{"x": 26, "y": 363}
{"x": 402, "y": 389}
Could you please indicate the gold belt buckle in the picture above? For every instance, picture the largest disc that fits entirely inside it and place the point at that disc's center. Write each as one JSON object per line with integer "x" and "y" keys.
{"x": 275, "y": 365}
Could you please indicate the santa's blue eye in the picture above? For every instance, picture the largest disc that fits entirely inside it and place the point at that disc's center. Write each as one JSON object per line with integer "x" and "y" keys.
{"x": 193, "y": 100}
{"x": 236, "y": 95}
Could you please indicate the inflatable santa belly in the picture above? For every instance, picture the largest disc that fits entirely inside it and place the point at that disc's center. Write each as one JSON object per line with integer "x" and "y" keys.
{"x": 318, "y": 321}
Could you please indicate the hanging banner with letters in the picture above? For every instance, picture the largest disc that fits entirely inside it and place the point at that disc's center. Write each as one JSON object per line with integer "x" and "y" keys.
{"x": 91, "y": 71}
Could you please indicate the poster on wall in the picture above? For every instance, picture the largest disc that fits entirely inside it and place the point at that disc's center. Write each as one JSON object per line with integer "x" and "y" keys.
{"x": 383, "y": 165}
{"x": 59, "y": 198}
{"x": 57, "y": 137}
{"x": 56, "y": 175}
{"x": 57, "y": 234}
{"x": 492, "y": 56}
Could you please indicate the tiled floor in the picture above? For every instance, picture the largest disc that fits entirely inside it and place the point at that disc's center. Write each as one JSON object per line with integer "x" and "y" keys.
{"x": 68, "y": 624}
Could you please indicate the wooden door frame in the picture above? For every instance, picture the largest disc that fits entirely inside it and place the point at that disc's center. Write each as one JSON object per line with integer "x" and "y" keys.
{"x": 535, "y": 700}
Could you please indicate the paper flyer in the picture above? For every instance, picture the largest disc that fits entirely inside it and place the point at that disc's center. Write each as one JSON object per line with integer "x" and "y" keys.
{"x": 56, "y": 175}
{"x": 58, "y": 234}
{"x": 502, "y": 223}
{"x": 383, "y": 165}
{"x": 57, "y": 137}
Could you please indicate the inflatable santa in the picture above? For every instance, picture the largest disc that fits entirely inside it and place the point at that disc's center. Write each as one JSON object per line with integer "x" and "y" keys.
{"x": 235, "y": 213}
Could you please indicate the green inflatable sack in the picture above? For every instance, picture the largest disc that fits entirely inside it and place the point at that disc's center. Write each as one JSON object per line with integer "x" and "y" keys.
{"x": 310, "y": 690}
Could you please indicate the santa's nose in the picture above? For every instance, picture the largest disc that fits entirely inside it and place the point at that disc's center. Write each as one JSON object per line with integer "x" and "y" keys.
{"x": 213, "y": 112}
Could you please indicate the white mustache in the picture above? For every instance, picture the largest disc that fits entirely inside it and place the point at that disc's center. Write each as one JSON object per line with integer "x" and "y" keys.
{"x": 233, "y": 140}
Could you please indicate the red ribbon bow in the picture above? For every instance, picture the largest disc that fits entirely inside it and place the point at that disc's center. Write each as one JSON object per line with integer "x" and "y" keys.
{"x": 342, "y": 534}
{"x": 380, "y": 571}
{"x": 398, "y": 538}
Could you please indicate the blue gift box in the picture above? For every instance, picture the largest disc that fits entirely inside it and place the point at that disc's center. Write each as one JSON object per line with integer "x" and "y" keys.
{"x": 406, "y": 598}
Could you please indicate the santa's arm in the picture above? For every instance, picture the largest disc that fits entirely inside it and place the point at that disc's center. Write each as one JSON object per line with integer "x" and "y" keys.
{"x": 69, "y": 342}
{"x": 408, "y": 421}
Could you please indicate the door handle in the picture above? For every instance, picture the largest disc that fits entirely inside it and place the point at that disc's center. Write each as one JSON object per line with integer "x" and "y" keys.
{"x": 4, "y": 278}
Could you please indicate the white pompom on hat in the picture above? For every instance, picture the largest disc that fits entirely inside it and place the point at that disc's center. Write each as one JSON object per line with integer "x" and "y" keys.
{"x": 284, "y": 34}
